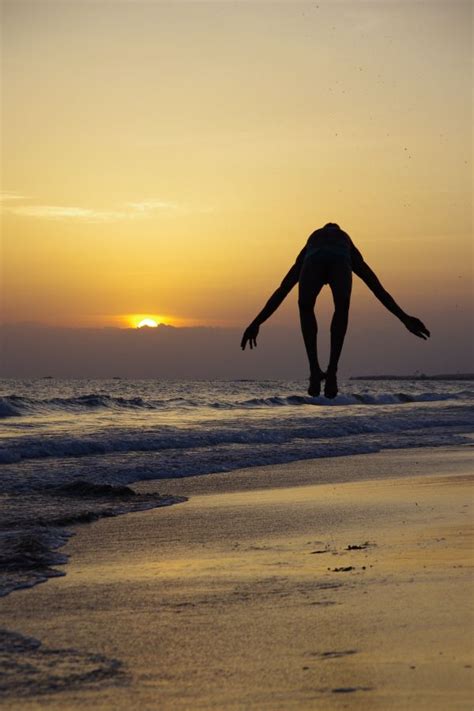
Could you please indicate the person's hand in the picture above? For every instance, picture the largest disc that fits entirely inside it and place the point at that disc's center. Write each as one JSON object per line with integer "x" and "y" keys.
{"x": 416, "y": 327}
{"x": 250, "y": 336}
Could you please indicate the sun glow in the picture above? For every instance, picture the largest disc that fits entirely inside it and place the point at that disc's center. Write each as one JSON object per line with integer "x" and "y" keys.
{"x": 148, "y": 322}
{"x": 152, "y": 320}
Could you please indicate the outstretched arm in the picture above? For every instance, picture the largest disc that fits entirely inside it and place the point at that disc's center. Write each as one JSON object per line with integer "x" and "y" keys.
{"x": 362, "y": 269}
{"x": 278, "y": 296}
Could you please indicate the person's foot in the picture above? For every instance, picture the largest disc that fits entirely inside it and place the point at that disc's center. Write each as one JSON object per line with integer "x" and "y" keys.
{"x": 315, "y": 383}
{"x": 330, "y": 386}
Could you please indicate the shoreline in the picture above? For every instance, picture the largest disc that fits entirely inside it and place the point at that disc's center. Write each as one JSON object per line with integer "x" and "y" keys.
{"x": 30, "y": 554}
{"x": 119, "y": 566}
{"x": 32, "y": 558}
{"x": 322, "y": 470}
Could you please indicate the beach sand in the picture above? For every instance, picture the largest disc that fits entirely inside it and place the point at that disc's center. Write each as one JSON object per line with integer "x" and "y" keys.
{"x": 323, "y": 584}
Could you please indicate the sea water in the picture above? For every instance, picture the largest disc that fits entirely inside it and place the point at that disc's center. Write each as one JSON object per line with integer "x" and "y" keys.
{"x": 69, "y": 448}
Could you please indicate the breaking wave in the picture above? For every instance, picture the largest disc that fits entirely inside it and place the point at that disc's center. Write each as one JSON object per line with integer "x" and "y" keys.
{"x": 18, "y": 406}
{"x": 250, "y": 432}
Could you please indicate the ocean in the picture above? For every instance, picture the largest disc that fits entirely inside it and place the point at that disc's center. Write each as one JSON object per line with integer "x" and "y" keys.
{"x": 70, "y": 448}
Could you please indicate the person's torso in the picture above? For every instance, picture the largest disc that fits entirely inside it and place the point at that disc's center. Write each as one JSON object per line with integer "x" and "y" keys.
{"x": 326, "y": 243}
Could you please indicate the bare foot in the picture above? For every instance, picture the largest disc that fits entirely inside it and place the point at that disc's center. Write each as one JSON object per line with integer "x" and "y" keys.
{"x": 315, "y": 383}
{"x": 330, "y": 386}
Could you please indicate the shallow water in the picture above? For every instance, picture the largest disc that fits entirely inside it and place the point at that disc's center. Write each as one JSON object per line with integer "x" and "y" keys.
{"x": 54, "y": 433}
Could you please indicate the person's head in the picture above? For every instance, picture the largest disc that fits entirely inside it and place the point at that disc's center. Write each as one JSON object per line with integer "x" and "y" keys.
{"x": 331, "y": 226}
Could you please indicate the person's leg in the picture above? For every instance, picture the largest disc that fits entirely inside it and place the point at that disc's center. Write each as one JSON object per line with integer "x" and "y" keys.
{"x": 340, "y": 281}
{"x": 312, "y": 279}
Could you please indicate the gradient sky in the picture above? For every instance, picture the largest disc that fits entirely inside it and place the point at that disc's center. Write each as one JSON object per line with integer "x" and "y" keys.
{"x": 171, "y": 158}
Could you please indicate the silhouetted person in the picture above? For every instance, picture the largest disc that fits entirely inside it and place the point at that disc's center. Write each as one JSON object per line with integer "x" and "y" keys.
{"x": 329, "y": 257}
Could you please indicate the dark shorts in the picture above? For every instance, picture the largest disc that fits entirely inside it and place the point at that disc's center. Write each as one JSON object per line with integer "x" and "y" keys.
{"x": 327, "y": 265}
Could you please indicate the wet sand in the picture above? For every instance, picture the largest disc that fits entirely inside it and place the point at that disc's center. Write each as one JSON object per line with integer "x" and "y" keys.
{"x": 269, "y": 589}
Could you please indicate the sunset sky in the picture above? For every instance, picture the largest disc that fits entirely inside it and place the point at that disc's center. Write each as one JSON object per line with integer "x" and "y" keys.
{"x": 169, "y": 159}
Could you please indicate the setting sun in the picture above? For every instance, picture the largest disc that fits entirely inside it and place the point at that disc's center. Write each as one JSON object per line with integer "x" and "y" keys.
{"x": 149, "y": 322}
{"x": 152, "y": 320}
{"x": 143, "y": 320}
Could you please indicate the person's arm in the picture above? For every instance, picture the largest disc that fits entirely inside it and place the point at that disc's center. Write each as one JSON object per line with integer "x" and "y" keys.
{"x": 278, "y": 296}
{"x": 362, "y": 269}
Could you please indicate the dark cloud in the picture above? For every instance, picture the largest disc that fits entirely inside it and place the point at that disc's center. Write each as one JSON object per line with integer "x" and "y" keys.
{"x": 30, "y": 350}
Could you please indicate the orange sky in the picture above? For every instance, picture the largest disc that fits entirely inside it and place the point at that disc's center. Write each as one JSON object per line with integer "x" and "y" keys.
{"x": 171, "y": 158}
